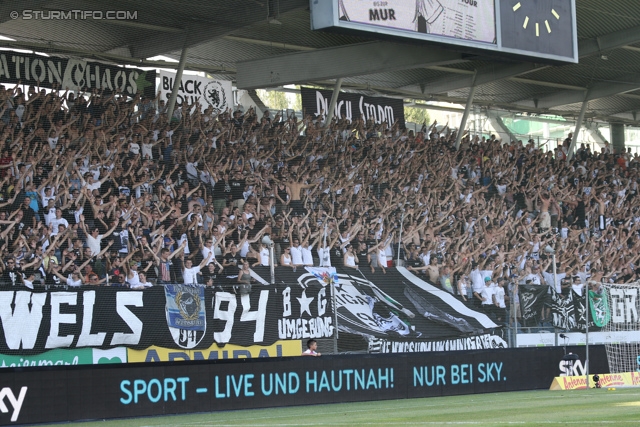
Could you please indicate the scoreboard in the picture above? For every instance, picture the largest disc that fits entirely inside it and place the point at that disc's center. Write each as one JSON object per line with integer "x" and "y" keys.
{"x": 540, "y": 29}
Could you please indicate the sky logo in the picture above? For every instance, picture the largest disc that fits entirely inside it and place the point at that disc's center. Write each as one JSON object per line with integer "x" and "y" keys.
{"x": 16, "y": 403}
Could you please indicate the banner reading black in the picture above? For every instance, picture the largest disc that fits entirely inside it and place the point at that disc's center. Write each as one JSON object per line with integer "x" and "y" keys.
{"x": 353, "y": 106}
{"x": 75, "y": 74}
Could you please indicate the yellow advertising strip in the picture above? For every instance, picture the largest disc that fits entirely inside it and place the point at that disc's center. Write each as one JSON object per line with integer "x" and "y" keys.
{"x": 625, "y": 379}
{"x": 160, "y": 354}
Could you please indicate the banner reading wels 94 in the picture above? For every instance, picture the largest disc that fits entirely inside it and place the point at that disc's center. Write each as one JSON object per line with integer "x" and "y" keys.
{"x": 353, "y": 106}
{"x": 103, "y": 318}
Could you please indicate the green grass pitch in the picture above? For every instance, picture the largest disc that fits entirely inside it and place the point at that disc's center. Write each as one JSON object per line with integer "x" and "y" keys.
{"x": 528, "y": 408}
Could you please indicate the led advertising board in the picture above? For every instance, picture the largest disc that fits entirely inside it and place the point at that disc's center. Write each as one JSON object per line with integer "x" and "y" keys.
{"x": 90, "y": 392}
{"x": 541, "y": 29}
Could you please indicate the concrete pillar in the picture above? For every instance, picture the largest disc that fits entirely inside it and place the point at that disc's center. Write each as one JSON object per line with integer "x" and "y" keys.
{"x": 617, "y": 137}
{"x": 504, "y": 134}
{"x": 576, "y": 133}
{"x": 176, "y": 84}
{"x": 334, "y": 101}
{"x": 467, "y": 109}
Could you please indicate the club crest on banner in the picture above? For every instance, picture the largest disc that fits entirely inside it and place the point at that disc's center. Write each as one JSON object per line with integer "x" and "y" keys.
{"x": 599, "y": 308}
{"x": 363, "y": 308}
{"x": 215, "y": 96}
{"x": 185, "y": 313}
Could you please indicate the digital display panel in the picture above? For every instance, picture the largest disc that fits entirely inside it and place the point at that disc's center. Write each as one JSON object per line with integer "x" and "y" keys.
{"x": 535, "y": 29}
{"x": 462, "y": 19}
{"x": 543, "y": 26}
{"x": 71, "y": 393}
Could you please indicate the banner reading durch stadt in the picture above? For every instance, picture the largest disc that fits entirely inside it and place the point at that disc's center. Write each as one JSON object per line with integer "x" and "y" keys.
{"x": 74, "y": 74}
{"x": 353, "y": 106}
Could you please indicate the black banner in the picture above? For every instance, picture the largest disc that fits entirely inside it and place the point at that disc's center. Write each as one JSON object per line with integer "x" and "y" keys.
{"x": 58, "y": 394}
{"x": 569, "y": 312}
{"x": 397, "y": 306}
{"x": 34, "y": 322}
{"x": 75, "y": 74}
{"x": 532, "y": 298}
{"x": 353, "y": 106}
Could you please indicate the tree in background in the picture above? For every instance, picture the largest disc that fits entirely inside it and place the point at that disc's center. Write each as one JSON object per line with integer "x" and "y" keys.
{"x": 277, "y": 100}
{"x": 418, "y": 116}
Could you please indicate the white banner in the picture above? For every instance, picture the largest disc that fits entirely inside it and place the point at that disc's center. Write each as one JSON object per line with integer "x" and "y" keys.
{"x": 478, "y": 342}
{"x": 207, "y": 92}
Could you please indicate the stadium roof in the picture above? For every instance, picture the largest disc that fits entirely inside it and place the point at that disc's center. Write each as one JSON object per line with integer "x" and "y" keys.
{"x": 268, "y": 43}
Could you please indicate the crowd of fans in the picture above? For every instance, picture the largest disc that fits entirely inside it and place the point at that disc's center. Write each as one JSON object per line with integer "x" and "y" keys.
{"x": 106, "y": 190}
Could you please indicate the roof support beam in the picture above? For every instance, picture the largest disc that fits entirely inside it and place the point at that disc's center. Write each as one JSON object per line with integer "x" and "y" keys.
{"x": 609, "y": 41}
{"x": 483, "y": 76}
{"x": 53, "y": 49}
{"x": 176, "y": 83}
{"x": 546, "y": 84}
{"x": 626, "y": 83}
{"x": 342, "y": 61}
{"x": 334, "y": 102}
{"x": 201, "y": 31}
{"x": 268, "y": 43}
{"x": 434, "y": 107}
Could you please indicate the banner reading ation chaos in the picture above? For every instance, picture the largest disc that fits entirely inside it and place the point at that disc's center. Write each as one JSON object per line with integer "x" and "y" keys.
{"x": 75, "y": 74}
{"x": 462, "y": 19}
{"x": 35, "y": 322}
{"x": 353, "y": 106}
{"x": 216, "y": 94}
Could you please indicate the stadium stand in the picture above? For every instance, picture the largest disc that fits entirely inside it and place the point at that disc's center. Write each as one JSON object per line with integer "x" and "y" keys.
{"x": 103, "y": 189}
